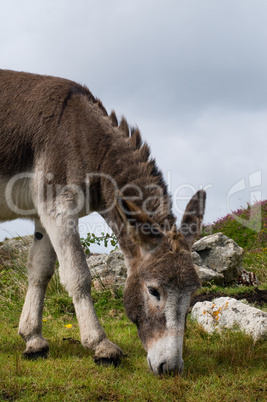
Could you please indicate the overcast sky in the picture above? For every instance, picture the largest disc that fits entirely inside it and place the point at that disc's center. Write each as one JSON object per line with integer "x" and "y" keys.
{"x": 192, "y": 74}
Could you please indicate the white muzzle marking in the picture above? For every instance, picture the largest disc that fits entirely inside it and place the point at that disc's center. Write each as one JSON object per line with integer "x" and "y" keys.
{"x": 165, "y": 355}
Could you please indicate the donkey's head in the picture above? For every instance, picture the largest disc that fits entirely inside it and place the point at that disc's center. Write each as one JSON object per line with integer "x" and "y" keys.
{"x": 161, "y": 281}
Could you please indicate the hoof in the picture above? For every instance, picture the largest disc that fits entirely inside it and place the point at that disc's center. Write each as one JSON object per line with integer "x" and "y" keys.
{"x": 36, "y": 348}
{"x": 104, "y": 361}
{"x": 107, "y": 354}
{"x": 35, "y": 355}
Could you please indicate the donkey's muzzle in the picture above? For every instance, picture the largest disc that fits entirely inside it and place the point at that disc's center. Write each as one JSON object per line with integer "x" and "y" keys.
{"x": 167, "y": 368}
{"x": 165, "y": 356}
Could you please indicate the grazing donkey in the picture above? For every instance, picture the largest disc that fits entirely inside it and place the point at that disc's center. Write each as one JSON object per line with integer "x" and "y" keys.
{"x": 62, "y": 157}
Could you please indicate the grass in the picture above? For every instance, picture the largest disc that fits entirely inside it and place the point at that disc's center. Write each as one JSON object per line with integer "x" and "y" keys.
{"x": 217, "y": 368}
{"x": 248, "y": 227}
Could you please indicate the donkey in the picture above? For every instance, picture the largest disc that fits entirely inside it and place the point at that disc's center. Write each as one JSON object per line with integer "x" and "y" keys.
{"x": 62, "y": 157}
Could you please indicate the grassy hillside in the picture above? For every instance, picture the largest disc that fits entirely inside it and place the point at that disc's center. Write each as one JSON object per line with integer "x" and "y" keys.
{"x": 216, "y": 368}
{"x": 248, "y": 227}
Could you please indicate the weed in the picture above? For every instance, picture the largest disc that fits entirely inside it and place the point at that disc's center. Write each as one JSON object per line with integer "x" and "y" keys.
{"x": 104, "y": 239}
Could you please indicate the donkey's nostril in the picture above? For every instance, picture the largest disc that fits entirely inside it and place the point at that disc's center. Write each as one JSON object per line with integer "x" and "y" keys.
{"x": 165, "y": 368}
{"x": 162, "y": 369}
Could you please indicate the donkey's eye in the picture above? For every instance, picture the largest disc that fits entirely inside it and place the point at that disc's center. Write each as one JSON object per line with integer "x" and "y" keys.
{"x": 154, "y": 292}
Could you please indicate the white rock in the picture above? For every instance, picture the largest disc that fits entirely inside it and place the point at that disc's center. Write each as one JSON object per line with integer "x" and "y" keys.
{"x": 107, "y": 270}
{"x": 226, "y": 312}
{"x": 221, "y": 254}
{"x": 207, "y": 275}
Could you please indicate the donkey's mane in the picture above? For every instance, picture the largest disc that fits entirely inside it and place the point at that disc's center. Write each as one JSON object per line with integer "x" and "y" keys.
{"x": 76, "y": 89}
{"x": 140, "y": 148}
{"x": 132, "y": 135}
{"x": 141, "y": 154}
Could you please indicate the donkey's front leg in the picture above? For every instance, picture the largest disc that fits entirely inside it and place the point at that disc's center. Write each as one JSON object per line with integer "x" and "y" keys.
{"x": 76, "y": 277}
{"x": 41, "y": 262}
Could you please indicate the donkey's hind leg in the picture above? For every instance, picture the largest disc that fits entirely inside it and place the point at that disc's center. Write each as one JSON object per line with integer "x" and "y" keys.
{"x": 41, "y": 262}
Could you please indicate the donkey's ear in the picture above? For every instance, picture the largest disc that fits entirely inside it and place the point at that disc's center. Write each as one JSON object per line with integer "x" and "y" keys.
{"x": 140, "y": 226}
{"x": 193, "y": 216}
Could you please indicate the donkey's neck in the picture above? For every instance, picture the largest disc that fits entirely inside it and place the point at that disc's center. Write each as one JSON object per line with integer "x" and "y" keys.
{"x": 128, "y": 169}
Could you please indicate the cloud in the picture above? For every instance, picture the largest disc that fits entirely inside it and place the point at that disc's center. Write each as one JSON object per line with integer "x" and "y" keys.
{"x": 215, "y": 151}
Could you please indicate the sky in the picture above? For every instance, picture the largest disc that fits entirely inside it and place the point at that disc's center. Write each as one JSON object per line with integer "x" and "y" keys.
{"x": 191, "y": 74}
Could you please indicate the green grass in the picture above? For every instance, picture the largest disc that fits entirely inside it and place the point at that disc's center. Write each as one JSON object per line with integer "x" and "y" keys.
{"x": 217, "y": 368}
{"x": 248, "y": 227}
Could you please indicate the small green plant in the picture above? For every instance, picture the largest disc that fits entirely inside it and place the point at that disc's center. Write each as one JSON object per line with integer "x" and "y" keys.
{"x": 104, "y": 239}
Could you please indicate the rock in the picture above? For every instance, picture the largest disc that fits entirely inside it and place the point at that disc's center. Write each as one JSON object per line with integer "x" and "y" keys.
{"x": 108, "y": 270}
{"x": 116, "y": 264}
{"x": 15, "y": 249}
{"x": 197, "y": 260}
{"x": 207, "y": 275}
{"x": 220, "y": 254}
{"x": 97, "y": 263}
{"x": 227, "y": 312}
{"x": 217, "y": 259}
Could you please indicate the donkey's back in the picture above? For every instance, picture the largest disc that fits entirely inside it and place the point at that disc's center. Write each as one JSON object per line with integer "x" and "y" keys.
{"x": 48, "y": 126}
{"x": 31, "y": 111}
